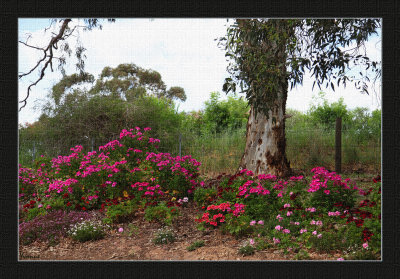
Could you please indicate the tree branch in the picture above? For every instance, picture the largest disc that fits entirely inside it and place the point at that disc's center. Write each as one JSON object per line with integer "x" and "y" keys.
{"x": 48, "y": 56}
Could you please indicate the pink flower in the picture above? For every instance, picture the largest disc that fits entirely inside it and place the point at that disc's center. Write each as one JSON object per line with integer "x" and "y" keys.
{"x": 340, "y": 259}
{"x": 286, "y": 231}
{"x": 121, "y": 230}
{"x": 251, "y": 241}
{"x": 252, "y": 223}
{"x": 289, "y": 213}
{"x": 319, "y": 236}
{"x": 365, "y": 245}
{"x": 327, "y": 192}
{"x": 303, "y": 230}
{"x": 261, "y": 222}
{"x": 278, "y": 228}
{"x": 314, "y": 232}
{"x": 286, "y": 205}
{"x": 40, "y": 205}
{"x": 276, "y": 240}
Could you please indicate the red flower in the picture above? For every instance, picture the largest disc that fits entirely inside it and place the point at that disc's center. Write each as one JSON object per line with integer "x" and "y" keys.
{"x": 377, "y": 179}
{"x": 68, "y": 204}
{"x": 359, "y": 222}
{"x": 83, "y": 208}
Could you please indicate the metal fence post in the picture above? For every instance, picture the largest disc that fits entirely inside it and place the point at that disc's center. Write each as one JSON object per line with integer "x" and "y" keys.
{"x": 338, "y": 145}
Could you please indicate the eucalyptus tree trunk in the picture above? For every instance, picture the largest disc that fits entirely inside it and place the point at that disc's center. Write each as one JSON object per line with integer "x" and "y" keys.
{"x": 266, "y": 142}
{"x": 265, "y": 150}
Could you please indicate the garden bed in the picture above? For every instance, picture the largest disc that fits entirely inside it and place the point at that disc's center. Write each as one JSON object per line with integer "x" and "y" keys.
{"x": 136, "y": 243}
{"x": 129, "y": 202}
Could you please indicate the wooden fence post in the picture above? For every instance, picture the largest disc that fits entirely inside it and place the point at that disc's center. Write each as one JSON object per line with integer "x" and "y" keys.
{"x": 338, "y": 145}
{"x": 180, "y": 145}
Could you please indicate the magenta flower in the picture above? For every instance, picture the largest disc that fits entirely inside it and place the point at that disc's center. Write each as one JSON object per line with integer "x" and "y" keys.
{"x": 121, "y": 230}
{"x": 365, "y": 245}
{"x": 340, "y": 259}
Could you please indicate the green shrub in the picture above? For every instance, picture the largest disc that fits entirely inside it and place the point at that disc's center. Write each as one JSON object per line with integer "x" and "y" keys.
{"x": 121, "y": 212}
{"x": 238, "y": 226}
{"x": 302, "y": 255}
{"x": 161, "y": 213}
{"x": 203, "y": 196}
{"x": 88, "y": 230}
{"x": 362, "y": 255}
{"x": 195, "y": 245}
{"x": 246, "y": 250}
{"x": 164, "y": 236}
{"x": 34, "y": 212}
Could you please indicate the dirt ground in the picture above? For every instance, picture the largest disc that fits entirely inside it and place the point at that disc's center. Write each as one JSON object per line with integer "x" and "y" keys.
{"x": 138, "y": 245}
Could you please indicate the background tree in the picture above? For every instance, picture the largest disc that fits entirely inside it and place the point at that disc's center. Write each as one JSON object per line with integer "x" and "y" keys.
{"x": 80, "y": 109}
{"x": 269, "y": 55}
{"x": 129, "y": 81}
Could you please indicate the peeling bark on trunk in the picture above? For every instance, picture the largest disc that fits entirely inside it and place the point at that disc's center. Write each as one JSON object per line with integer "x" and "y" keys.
{"x": 266, "y": 142}
{"x": 265, "y": 150}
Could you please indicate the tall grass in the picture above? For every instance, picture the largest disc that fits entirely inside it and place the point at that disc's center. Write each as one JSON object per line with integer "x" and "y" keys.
{"x": 218, "y": 153}
{"x": 307, "y": 146}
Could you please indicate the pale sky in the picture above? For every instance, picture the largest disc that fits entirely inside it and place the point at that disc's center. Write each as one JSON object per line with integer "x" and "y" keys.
{"x": 183, "y": 51}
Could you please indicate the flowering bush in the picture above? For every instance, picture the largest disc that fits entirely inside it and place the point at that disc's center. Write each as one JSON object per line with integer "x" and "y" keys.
{"x": 127, "y": 168}
{"x": 294, "y": 214}
{"x": 328, "y": 188}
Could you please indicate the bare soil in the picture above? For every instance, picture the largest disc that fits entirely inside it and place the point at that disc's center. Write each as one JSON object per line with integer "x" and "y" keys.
{"x": 137, "y": 245}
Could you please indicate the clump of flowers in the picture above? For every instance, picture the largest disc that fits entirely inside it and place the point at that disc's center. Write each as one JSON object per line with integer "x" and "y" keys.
{"x": 88, "y": 230}
{"x": 328, "y": 188}
{"x": 247, "y": 248}
{"x": 164, "y": 236}
{"x": 51, "y": 226}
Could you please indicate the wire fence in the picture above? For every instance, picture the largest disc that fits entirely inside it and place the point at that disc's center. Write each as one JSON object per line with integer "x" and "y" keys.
{"x": 305, "y": 148}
